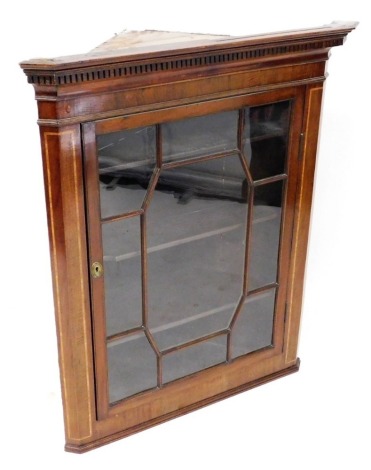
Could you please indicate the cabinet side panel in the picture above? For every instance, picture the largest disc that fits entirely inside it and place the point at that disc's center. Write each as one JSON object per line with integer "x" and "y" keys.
{"x": 66, "y": 220}
{"x": 302, "y": 219}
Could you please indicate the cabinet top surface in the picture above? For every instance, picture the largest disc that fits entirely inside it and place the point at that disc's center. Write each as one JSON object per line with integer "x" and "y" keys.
{"x": 142, "y": 45}
{"x": 132, "y": 41}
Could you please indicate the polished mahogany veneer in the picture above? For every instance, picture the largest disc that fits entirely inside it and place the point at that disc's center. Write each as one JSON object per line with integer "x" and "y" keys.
{"x": 178, "y": 178}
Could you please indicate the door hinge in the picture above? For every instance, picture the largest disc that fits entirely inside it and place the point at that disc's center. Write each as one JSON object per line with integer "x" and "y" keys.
{"x": 301, "y": 146}
{"x": 284, "y": 318}
{"x": 284, "y": 326}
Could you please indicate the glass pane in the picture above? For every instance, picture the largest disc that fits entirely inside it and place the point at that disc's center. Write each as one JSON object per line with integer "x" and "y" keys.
{"x": 253, "y": 329}
{"x": 199, "y": 136}
{"x": 196, "y": 226}
{"x": 265, "y": 139}
{"x": 122, "y": 274}
{"x": 126, "y": 161}
{"x": 265, "y": 234}
{"x": 194, "y": 358}
{"x": 132, "y": 367}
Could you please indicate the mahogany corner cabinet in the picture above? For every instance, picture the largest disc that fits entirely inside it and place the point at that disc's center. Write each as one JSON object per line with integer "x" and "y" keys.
{"x": 178, "y": 174}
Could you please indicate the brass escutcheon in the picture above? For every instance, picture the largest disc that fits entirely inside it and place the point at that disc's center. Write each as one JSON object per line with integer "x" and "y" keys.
{"x": 96, "y": 269}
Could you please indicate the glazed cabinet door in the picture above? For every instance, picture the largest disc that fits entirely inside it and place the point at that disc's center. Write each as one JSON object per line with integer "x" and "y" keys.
{"x": 190, "y": 217}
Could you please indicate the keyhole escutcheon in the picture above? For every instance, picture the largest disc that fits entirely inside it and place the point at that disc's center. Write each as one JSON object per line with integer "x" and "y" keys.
{"x": 96, "y": 269}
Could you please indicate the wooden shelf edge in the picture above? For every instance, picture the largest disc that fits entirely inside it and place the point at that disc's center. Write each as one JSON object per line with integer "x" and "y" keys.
{"x": 79, "y": 449}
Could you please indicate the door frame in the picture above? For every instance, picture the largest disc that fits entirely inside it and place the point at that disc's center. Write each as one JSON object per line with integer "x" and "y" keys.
{"x": 225, "y": 379}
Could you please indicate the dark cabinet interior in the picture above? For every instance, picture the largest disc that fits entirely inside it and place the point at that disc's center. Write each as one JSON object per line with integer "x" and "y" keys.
{"x": 190, "y": 216}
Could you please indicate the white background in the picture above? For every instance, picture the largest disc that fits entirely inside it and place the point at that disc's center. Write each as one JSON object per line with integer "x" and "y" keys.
{"x": 318, "y": 418}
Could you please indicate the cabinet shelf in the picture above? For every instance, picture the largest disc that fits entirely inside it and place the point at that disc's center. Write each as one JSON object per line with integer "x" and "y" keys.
{"x": 117, "y": 166}
{"x": 196, "y": 214}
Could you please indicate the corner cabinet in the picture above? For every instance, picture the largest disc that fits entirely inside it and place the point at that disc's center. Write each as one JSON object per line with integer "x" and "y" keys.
{"x": 178, "y": 176}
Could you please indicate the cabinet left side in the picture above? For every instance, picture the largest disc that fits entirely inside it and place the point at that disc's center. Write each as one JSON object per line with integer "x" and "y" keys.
{"x": 63, "y": 175}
